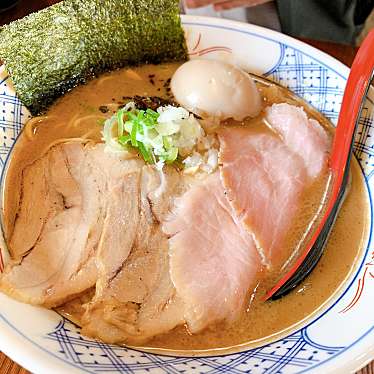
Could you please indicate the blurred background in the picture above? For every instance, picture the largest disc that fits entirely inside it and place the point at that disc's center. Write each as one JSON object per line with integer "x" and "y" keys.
{"x": 339, "y": 21}
{"x": 344, "y": 22}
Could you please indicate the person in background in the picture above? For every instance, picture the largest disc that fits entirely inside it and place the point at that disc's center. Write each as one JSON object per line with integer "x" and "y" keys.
{"x": 339, "y": 21}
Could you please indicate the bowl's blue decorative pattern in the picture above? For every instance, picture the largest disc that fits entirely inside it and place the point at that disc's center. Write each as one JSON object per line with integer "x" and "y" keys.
{"x": 323, "y": 88}
{"x": 364, "y": 150}
{"x": 295, "y": 352}
{"x": 309, "y": 79}
{"x": 9, "y": 129}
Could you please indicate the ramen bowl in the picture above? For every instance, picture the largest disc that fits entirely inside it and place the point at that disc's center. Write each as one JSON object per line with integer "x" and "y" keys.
{"x": 338, "y": 337}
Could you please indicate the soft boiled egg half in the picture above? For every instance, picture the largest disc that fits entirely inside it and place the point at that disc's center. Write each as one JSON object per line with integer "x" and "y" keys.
{"x": 215, "y": 89}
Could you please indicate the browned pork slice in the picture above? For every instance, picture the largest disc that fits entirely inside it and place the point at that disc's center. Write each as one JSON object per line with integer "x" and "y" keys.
{"x": 264, "y": 181}
{"x": 32, "y": 280}
{"x": 213, "y": 259}
{"x": 305, "y": 137}
{"x": 39, "y": 201}
{"x": 139, "y": 301}
{"x": 121, "y": 220}
{"x": 61, "y": 261}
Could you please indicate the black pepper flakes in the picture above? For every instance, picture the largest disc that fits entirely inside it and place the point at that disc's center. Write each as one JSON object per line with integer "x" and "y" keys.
{"x": 103, "y": 109}
{"x": 167, "y": 82}
{"x": 153, "y": 102}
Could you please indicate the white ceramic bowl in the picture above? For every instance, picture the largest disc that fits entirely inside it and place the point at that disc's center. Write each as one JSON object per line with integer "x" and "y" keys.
{"x": 339, "y": 338}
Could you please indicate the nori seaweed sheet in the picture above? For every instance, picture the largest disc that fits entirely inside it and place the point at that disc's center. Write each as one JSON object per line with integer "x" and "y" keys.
{"x": 49, "y": 52}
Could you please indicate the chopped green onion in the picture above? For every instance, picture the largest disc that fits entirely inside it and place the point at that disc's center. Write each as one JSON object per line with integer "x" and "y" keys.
{"x": 128, "y": 126}
{"x": 140, "y": 115}
{"x": 172, "y": 155}
{"x": 132, "y": 116}
{"x": 133, "y": 134}
{"x": 167, "y": 142}
{"x": 155, "y": 137}
{"x": 145, "y": 153}
{"x": 151, "y": 112}
{"x": 124, "y": 139}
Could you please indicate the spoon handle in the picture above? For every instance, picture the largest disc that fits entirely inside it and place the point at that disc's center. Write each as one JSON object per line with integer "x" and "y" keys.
{"x": 356, "y": 90}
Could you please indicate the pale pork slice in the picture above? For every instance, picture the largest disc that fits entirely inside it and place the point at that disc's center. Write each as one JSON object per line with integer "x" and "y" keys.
{"x": 213, "y": 259}
{"x": 61, "y": 263}
{"x": 303, "y": 136}
{"x": 264, "y": 181}
{"x": 140, "y": 301}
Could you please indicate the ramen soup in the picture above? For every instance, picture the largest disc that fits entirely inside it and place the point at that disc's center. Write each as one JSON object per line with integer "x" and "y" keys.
{"x": 151, "y": 226}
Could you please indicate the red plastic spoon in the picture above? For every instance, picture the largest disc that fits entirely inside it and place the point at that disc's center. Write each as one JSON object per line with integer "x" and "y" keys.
{"x": 357, "y": 87}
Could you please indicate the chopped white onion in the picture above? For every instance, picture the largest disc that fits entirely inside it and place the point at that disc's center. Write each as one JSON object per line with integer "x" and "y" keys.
{"x": 211, "y": 162}
{"x": 207, "y": 163}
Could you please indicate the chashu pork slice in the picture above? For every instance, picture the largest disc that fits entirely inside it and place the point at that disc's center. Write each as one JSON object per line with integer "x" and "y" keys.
{"x": 213, "y": 259}
{"x": 302, "y": 135}
{"x": 61, "y": 261}
{"x": 265, "y": 175}
{"x": 264, "y": 181}
{"x": 121, "y": 190}
{"x": 140, "y": 301}
{"x": 39, "y": 202}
